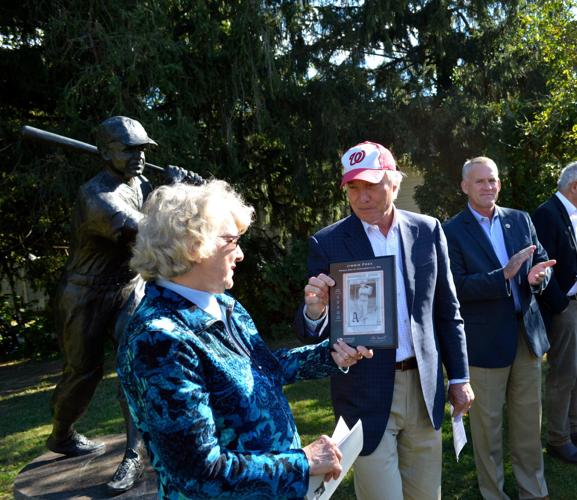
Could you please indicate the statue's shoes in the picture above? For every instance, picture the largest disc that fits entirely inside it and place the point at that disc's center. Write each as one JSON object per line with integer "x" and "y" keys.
{"x": 75, "y": 445}
{"x": 127, "y": 473}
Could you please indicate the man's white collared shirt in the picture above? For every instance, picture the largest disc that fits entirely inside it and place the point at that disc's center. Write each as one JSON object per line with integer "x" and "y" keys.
{"x": 494, "y": 232}
{"x": 391, "y": 245}
{"x": 205, "y": 300}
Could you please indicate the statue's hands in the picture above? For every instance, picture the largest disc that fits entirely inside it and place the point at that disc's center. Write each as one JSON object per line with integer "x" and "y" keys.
{"x": 176, "y": 174}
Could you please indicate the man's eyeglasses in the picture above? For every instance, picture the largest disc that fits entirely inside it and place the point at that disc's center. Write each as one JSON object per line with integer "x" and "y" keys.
{"x": 231, "y": 239}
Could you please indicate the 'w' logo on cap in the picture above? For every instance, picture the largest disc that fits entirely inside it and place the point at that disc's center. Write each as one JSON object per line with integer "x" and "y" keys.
{"x": 366, "y": 161}
{"x": 356, "y": 157}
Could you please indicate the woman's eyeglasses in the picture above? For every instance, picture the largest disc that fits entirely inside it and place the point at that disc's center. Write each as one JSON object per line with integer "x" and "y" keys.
{"x": 231, "y": 239}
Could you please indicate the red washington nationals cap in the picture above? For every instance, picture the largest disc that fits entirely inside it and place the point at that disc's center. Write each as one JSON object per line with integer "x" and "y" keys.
{"x": 366, "y": 161}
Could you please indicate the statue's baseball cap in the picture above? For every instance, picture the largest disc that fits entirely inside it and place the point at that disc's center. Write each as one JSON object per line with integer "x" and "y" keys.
{"x": 124, "y": 130}
{"x": 366, "y": 161}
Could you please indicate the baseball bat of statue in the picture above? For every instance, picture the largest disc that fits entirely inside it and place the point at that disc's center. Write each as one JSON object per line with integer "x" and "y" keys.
{"x": 37, "y": 134}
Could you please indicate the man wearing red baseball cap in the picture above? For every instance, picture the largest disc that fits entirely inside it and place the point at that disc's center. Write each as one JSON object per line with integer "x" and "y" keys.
{"x": 399, "y": 395}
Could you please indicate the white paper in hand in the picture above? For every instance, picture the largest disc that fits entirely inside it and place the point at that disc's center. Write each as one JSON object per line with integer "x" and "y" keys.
{"x": 459, "y": 435}
{"x": 350, "y": 442}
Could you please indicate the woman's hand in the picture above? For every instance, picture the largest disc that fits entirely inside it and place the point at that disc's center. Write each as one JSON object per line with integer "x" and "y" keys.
{"x": 344, "y": 355}
{"x": 324, "y": 458}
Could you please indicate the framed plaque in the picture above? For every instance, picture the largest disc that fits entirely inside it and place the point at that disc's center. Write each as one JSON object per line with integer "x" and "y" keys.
{"x": 363, "y": 302}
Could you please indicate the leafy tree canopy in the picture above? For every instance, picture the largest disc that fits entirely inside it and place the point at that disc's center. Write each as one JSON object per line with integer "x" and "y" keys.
{"x": 267, "y": 95}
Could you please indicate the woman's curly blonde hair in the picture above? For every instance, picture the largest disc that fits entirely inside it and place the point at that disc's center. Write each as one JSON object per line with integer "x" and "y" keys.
{"x": 181, "y": 225}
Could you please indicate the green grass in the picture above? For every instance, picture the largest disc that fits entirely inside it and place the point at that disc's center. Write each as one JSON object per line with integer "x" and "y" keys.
{"x": 26, "y": 387}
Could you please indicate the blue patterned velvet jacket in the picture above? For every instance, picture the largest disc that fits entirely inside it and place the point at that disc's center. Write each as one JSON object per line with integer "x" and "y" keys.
{"x": 210, "y": 405}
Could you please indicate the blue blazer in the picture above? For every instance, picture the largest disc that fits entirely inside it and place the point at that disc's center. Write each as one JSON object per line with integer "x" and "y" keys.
{"x": 486, "y": 302}
{"x": 366, "y": 392}
{"x": 556, "y": 233}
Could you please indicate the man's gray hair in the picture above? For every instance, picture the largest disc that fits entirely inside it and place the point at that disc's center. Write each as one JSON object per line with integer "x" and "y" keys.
{"x": 568, "y": 176}
{"x": 484, "y": 160}
{"x": 394, "y": 177}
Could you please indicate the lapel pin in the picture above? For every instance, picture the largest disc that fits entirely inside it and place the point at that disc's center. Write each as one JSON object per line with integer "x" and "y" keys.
{"x": 508, "y": 226}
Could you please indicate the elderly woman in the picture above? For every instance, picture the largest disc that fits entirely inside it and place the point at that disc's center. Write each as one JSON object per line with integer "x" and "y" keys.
{"x": 202, "y": 386}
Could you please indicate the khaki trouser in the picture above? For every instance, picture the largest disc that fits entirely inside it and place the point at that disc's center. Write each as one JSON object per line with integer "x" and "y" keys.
{"x": 519, "y": 386}
{"x": 407, "y": 462}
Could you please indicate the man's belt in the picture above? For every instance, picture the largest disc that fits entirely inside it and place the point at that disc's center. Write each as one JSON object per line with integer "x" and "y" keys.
{"x": 407, "y": 364}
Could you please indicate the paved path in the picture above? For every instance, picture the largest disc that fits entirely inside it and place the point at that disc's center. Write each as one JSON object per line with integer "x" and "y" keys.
{"x": 54, "y": 477}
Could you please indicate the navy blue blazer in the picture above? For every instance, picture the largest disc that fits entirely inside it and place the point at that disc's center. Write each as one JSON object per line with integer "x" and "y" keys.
{"x": 486, "y": 302}
{"x": 555, "y": 232}
{"x": 366, "y": 392}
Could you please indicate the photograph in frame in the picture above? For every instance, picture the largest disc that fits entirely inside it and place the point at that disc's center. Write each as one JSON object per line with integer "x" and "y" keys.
{"x": 363, "y": 309}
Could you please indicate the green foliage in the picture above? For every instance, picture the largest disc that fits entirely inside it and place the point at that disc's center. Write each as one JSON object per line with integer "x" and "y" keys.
{"x": 24, "y": 331}
{"x": 516, "y": 107}
{"x": 439, "y": 195}
{"x": 271, "y": 286}
{"x": 548, "y": 31}
{"x": 267, "y": 95}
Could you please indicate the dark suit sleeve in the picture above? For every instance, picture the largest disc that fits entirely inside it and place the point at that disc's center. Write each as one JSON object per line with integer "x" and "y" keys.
{"x": 448, "y": 321}
{"x": 548, "y": 231}
{"x": 540, "y": 255}
{"x": 490, "y": 285}
{"x": 317, "y": 263}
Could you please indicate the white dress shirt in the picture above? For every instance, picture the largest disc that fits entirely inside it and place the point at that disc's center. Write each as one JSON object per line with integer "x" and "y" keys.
{"x": 391, "y": 245}
{"x": 205, "y": 300}
{"x": 494, "y": 231}
{"x": 382, "y": 246}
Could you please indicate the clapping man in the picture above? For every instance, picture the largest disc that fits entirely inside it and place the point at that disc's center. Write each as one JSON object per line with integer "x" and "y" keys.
{"x": 499, "y": 266}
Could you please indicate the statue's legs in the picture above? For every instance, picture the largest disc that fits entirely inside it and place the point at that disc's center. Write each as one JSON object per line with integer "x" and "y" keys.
{"x": 133, "y": 437}
{"x": 81, "y": 324}
{"x": 86, "y": 317}
{"x": 132, "y": 466}
{"x": 70, "y": 400}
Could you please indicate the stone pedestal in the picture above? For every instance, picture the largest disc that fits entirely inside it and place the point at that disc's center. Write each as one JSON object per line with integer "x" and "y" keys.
{"x": 55, "y": 477}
